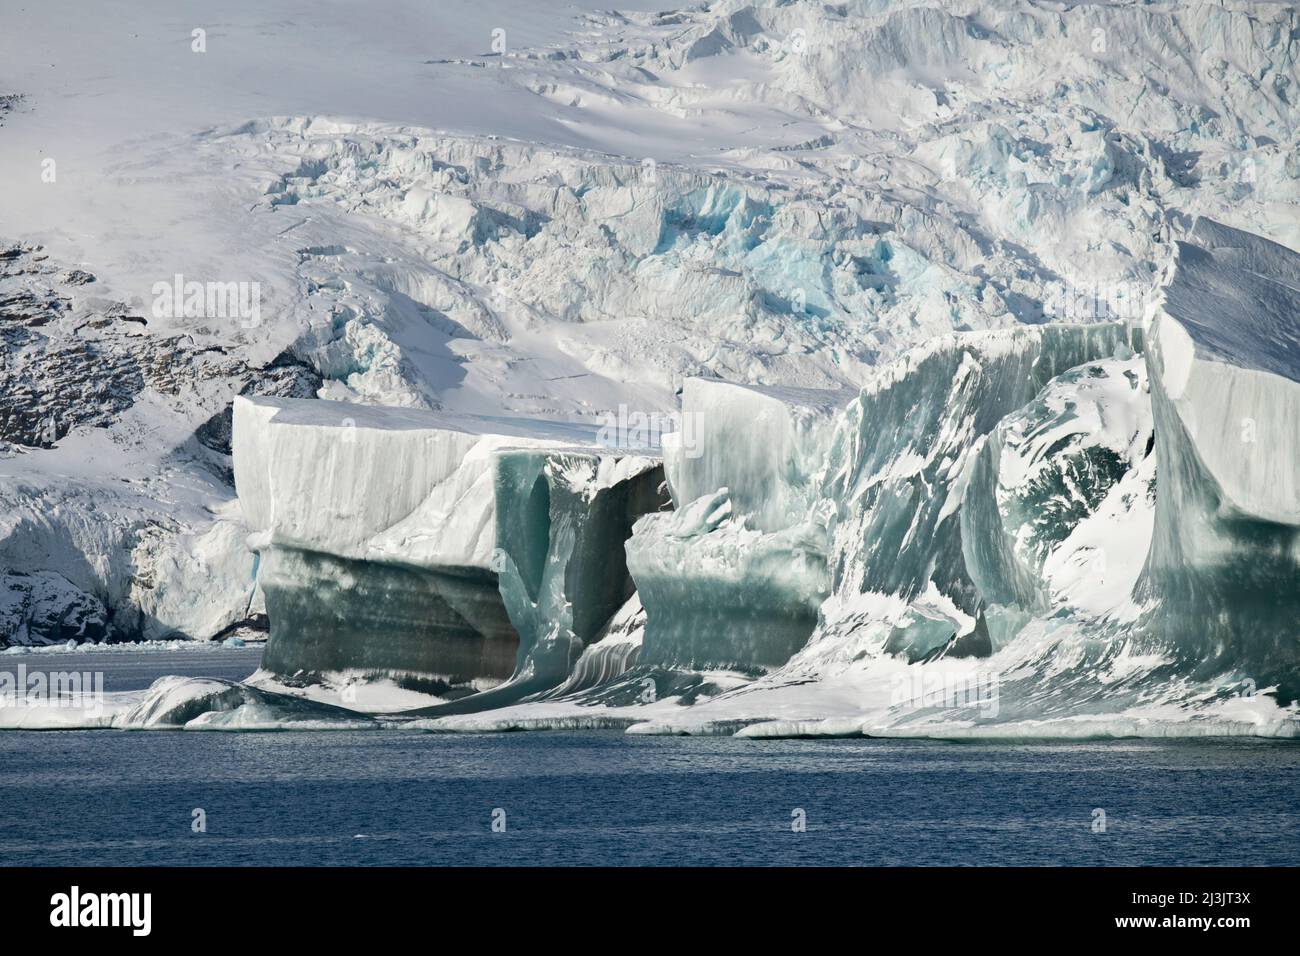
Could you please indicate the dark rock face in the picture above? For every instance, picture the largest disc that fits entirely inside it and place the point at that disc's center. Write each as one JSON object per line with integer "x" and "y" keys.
{"x": 50, "y": 383}
{"x": 45, "y": 608}
{"x": 285, "y": 377}
{"x": 68, "y": 359}
{"x": 9, "y": 101}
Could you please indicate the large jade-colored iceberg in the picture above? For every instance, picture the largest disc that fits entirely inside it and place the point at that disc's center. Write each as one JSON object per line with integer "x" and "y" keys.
{"x": 381, "y": 532}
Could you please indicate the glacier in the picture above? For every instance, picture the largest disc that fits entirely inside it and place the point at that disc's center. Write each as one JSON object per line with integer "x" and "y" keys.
{"x": 973, "y": 388}
{"x": 1068, "y": 531}
{"x": 1016, "y": 529}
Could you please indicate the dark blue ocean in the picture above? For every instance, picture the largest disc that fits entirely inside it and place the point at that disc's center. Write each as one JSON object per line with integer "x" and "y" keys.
{"x": 109, "y": 797}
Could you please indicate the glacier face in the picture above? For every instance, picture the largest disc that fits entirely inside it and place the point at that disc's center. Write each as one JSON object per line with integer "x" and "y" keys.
{"x": 1028, "y": 157}
{"x": 1024, "y": 533}
{"x": 1028, "y": 532}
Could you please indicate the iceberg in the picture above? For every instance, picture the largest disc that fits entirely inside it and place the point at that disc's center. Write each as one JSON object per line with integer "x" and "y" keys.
{"x": 1224, "y": 566}
{"x": 449, "y": 552}
{"x": 1059, "y": 502}
{"x": 732, "y": 579}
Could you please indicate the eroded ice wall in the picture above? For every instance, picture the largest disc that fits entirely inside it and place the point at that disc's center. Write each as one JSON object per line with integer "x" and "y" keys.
{"x": 1064, "y": 531}
{"x": 764, "y": 444}
{"x": 375, "y": 529}
{"x": 562, "y": 517}
{"x": 1224, "y": 565}
{"x": 898, "y": 471}
{"x": 1057, "y": 509}
{"x": 733, "y": 579}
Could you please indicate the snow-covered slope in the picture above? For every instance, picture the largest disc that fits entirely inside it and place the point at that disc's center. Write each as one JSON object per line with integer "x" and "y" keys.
{"x": 116, "y": 517}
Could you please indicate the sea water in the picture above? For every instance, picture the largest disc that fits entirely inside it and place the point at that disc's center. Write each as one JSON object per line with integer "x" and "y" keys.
{"x": 603, "y": 797}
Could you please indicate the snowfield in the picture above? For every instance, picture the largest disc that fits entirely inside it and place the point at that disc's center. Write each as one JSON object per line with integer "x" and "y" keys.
{"x": 970, "y": 330}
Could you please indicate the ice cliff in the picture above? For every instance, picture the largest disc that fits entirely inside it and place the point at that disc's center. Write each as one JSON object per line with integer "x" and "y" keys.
{"x": 1225, "y": 386}
{"x": 734, "y": 577}
{"x": 1060, "y": 530}
{"x": 448, "y": 551}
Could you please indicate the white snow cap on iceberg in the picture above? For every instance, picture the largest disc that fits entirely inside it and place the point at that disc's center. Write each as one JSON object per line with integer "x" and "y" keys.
{"x": 397, "y": 485}
{"x": 764, "y": 444}
{"x": 1226, "y": 343}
